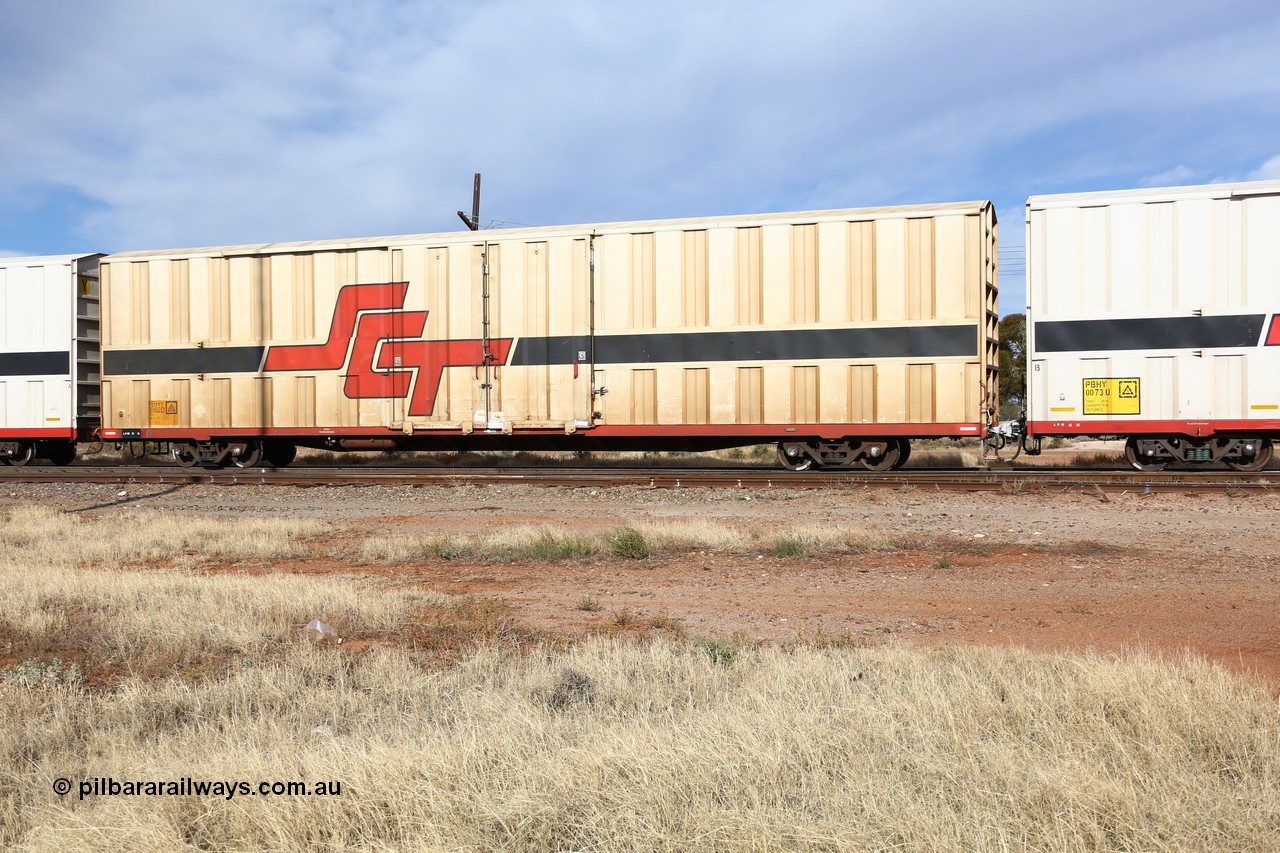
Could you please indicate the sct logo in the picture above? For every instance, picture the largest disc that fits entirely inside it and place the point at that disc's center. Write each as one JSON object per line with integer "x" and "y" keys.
{"x": 382, "y": 350}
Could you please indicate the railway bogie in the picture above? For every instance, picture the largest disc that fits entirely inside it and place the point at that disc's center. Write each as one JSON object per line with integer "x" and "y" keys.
{"x": 246, "y": 453}
{"x": 1242, "y": 453}
{"x": 870, "y": 453}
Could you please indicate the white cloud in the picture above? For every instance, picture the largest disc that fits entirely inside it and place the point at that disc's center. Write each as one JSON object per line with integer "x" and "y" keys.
{"x": 1179, "y": 174}
{"x": 244, "y": 122}
{"x": 1269, "y": 170}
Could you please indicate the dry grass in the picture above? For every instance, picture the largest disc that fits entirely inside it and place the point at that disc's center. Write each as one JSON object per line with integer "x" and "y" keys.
{"x": 969, "y": 457}
{"x": 1106, "y": 459}
{"x": 67, "y": 591}
{"x": 137, "y": 536}
{"x": 662, "y": 746}
{"x": 659, "y": 539}
{"x": 608, "y": 745}
{"x": 1102, "y": 459}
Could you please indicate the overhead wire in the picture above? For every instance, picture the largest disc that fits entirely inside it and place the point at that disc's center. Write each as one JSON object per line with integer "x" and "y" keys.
{"x": 1012, "y": 259}
{"x": 502, "y": 223}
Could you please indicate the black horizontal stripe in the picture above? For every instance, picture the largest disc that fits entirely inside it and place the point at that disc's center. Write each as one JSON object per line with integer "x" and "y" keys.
{"x": 1142, "y": 333}
{"x": 770, "y": 345}
{"x": 35, "y": 363}
{"x": 646, "y": 348}
{"x": 147, "y": 362}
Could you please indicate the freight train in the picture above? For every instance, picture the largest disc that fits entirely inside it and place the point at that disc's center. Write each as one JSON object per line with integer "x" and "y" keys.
{"x": 839, "y": 335}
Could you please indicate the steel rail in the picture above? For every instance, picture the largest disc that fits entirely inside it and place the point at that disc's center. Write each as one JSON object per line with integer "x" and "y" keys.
{"x": 971, "y": 479}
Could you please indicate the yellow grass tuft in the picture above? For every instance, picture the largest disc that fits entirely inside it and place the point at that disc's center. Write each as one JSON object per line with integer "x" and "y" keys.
{"x": 68, "y": 590}
{"x": 131, "y": 536}
{"x": 654, "y": 538}
{"x": 618, "y": 746}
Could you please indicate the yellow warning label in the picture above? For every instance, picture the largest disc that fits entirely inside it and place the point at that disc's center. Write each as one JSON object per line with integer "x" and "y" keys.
{"x": 164, "y": 413}
{"x": 1111, "y": 397}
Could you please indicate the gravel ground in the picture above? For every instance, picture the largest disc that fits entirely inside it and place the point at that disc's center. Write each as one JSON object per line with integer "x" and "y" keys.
{"x": 1164, "y": 571}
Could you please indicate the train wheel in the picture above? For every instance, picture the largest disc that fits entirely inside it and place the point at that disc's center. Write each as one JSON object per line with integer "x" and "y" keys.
{"x": 60, "y": 452}
{"x": 1259, "y": 460}
{"x": 26, "y": 452}
{"x": 185, "y": 453}
{"x": 250, "y": 457}
{"x": 904, "y": 447}
{"x": 889, "y": 455}
{"x": 279, "y": 453}
{"x": 793, "y": 456}
{"x": 1138, "y": 461}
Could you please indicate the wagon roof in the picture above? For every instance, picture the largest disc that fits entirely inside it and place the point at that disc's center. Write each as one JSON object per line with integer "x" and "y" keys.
{"x": 1150, "y": 194}
{"x": 47, "y": 260}
{"x": 853, "y": 214}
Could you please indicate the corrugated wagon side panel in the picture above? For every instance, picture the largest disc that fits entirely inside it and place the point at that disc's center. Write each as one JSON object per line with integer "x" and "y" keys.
{"x": 748, "y": 267}
{"x": 1196, "y": 259}
{"x": 954, "y": 268}
{"x": 892, "y": 393}
{"x": 724, "y": 405}
{"x": 833, "y": 272}
{"x": 824, "y": 274}
{"x": 847, "y": 318}
{"x": 804, "y": 273}
{"x": 1166, "y": 296}
{"x": 38, "y": 352}
{"x": 860, "y": 271}
{"x": 862, "y": 394}
{"x": 436, "y": 302}
{"x": 833, "y": 402}
{"x": 778, "y": 400}
{"x": 670, "y": 389}
{"x": 750, "y": 395}
{"x": 667, "y": 288}
{"x": 1260, "y": 248}
{"x": 891, "y": 270}
{"x": 777, "y": 303}
{"x": 694, "y": 278}
{"x": 920, "y": 273}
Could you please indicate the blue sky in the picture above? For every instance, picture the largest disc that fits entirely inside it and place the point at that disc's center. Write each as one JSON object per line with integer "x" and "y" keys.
{"x": 138, "y": 124}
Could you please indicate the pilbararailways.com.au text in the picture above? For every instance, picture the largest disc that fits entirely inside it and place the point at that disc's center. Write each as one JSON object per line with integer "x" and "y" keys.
{"x": 106, "y": 786}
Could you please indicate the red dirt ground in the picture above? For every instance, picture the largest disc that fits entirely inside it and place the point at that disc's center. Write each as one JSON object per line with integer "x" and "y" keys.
{"x": 1039, "y": 599}
{"x": 1163, "y": 572}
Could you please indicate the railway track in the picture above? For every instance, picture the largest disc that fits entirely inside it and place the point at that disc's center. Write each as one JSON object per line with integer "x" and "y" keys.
{"x": 1007, "y": 479}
